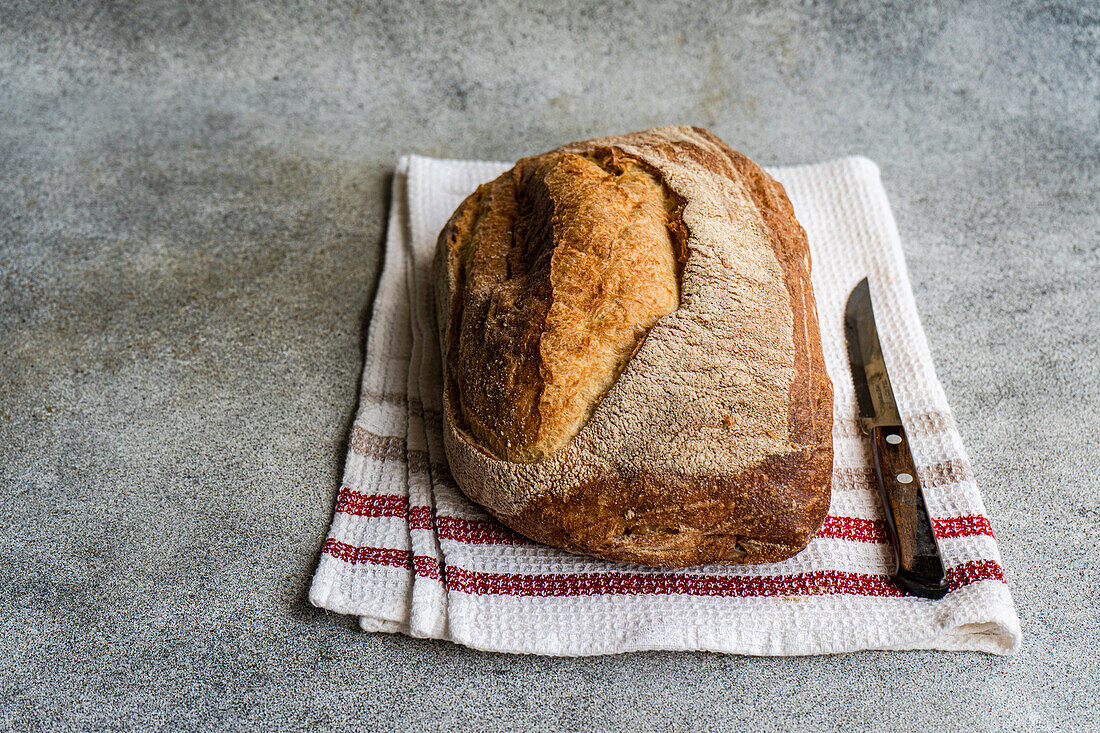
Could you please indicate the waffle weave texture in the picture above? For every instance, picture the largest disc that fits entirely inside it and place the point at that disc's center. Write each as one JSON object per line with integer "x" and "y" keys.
{"x": 408, "y": 552}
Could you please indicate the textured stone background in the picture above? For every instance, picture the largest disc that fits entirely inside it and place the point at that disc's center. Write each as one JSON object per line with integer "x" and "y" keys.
{"x": 192, "y": 200}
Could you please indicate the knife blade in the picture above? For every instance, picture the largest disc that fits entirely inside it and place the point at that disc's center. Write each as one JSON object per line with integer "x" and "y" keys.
{"x": 918, "y": 568}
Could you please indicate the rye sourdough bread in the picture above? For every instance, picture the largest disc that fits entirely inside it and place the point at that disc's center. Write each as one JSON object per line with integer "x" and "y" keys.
{"x": 632, "y": 362}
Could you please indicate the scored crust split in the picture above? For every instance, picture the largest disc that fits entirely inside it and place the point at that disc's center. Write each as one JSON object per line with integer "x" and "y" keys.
{"x": 632, "y": 360}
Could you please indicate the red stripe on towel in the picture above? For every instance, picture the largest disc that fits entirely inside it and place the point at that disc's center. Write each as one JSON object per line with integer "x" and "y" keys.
{"x": 482, "y": 532}
{"x": 824, "y": 582}
{"x": 969, "y": 526}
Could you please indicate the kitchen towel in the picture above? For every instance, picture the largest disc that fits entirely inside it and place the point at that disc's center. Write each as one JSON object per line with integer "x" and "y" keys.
{"x": 408, "y": 552}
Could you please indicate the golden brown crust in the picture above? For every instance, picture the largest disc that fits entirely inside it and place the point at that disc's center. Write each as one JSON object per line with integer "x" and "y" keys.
{"x": 564, "y": 264}
{"x": 715, "y": 443}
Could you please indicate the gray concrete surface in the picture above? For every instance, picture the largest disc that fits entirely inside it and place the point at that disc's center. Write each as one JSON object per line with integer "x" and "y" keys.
{"x": 192, "y": 202}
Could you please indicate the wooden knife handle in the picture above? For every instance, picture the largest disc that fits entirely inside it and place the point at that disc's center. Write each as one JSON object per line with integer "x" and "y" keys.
{"x": 919, "y": 567}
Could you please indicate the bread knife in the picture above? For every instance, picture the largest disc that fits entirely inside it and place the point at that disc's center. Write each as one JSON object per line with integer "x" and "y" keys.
{"x": 918, "y": 568}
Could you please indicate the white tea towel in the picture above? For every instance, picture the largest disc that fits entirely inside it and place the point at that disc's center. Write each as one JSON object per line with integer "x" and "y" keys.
{"x": 408, "y": 552}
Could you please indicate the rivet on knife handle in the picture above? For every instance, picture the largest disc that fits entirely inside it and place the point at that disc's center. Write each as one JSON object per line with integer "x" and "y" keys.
{"x": 919, "y": 569}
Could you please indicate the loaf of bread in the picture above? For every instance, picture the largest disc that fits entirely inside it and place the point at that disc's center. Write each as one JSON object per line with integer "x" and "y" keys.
{"x": 632, "y": 361}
